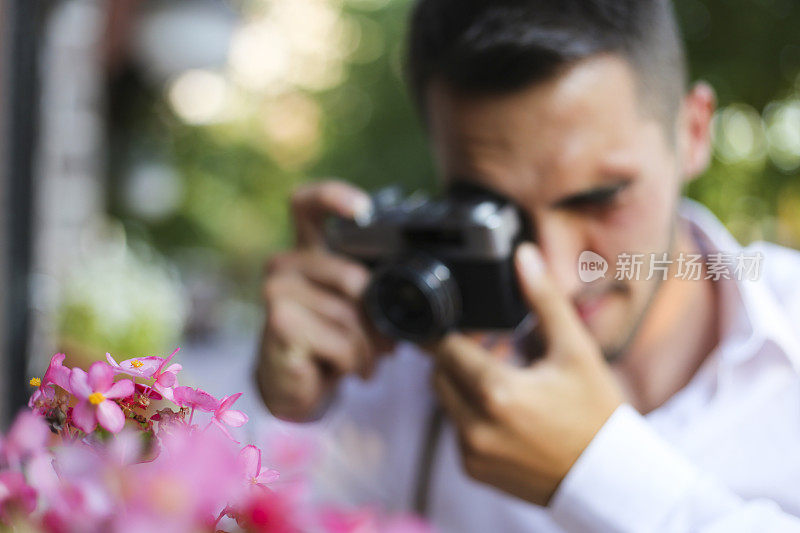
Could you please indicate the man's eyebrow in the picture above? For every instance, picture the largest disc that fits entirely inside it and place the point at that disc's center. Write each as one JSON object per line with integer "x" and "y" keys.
{"x": 594, "y": 196}
{"x": 470, "y": 180}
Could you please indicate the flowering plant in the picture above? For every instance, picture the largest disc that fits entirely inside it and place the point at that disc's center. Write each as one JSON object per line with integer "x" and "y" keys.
{"x": 94, "y": 454}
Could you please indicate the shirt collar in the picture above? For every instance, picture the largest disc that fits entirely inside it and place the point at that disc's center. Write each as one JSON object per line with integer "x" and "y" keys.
{"x": 751, "y": 315}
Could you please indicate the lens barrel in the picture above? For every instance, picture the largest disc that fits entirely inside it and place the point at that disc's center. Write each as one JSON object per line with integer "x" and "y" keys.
{"x": 415, "y": 298}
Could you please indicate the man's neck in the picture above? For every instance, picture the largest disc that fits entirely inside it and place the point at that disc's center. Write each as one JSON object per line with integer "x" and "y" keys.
{"x": 679, "y": 332}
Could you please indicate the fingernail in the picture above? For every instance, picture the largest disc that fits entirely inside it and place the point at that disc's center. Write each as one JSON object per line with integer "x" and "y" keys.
{"x": 529, "y": 261}
{"x": 362, "y": 210}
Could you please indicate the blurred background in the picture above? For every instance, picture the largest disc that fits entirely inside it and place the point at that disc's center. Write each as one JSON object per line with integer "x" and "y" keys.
{"x": 149, "y": 147}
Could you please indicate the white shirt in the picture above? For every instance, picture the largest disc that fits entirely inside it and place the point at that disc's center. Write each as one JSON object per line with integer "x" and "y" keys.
{"x": 722, "y": 455}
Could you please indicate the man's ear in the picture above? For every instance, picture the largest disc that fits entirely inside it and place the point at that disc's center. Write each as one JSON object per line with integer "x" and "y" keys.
{"x": 694, "y": 130}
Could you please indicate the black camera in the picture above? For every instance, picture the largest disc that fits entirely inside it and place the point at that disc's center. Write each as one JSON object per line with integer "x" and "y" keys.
{"x": 437, "y": 265}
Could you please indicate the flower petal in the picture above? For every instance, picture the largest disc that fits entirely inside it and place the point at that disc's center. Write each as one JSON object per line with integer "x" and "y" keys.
{"x": 205, "y": 401}
{"x": 149, "y": 392}
{"x": 79, "y": 383}
{"x": 181, "y": 395}
{"x": 17, "y": 494}
{"x": 165, "y": 392}
{"x": 110, "y": 416}
{"x": 83, "y": 415}
{"x": 56, "y": 372}
{"x": 250, "y": 457}
{"x": 167, "y": 360}
{"x": 166, "y": 379}
{"x": 36, "y": 396}
{"x": 195, "y": 398}
{"x": 111, "y": 360}
{"x": 121, "y": 389}
{"x": 176, "y": 350}
{"x": 267, "y": 475}
{"x": 228, "y": 401}
{"x": 101, "y": 376}
{"x": 233, "y": 418}
{"x": 224, "y": 429}
{"x": 145, "y": 366}
{"x": 27, "y": 437}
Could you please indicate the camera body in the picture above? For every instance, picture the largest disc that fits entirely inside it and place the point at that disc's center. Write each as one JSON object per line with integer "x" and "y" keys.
{"x": 438, "y": 265}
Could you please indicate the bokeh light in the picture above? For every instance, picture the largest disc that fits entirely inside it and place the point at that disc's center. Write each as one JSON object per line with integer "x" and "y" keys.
{"x": 199, "y": 97}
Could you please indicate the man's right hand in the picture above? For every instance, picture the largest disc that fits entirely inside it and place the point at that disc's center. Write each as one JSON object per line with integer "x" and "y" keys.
{"x": 315, "y": 330}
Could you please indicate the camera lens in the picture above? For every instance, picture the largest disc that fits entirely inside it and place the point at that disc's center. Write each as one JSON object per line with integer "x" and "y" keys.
{"x": 415, "y": 298}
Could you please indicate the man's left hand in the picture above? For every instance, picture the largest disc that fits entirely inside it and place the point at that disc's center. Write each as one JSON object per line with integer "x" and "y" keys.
{"x": 522, "y": 429}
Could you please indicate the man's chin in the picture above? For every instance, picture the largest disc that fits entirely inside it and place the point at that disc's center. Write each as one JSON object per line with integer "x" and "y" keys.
{"x": 609, "y": 325}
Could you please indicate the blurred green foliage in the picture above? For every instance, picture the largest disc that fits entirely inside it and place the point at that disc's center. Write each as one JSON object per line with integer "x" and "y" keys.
{"x": 124, "y": 301}
{"x": 749, "y": 50}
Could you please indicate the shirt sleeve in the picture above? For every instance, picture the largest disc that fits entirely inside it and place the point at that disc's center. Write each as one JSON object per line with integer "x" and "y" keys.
{"x": 630, "y": 480}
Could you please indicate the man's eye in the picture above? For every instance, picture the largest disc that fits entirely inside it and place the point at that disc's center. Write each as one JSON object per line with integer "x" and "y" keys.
{"x": 594, "y": 200}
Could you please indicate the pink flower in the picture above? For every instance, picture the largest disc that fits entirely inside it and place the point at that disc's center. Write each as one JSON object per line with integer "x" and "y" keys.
{"x": 195, "y": 398}
{"x": 225, "y": 415}
{"x": 16, "y": 496}
{"x": 334, "y": 520}
{"x": 75, "y": 485}
{"x": 152, "y": 367}
{"x": 292, "y": 449}
{"x": 342, "y": 520}
{"x": 269, "y": 512}
{"x": 167, "y": 377}
{"x": 96, "y": 392}
{"x": 250, "y": 457}
{"x": 190, "y": 482}
{"x": 139, "y": 367}
{"x": 26, "y": 438}
{"x": 56, "y": 374}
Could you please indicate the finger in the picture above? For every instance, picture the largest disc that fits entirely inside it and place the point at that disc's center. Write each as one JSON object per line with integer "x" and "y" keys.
{"x": 468, "y": 365}
{"x": 381, "y": 342}
{"x": 558, "y": 320}
{"x": 294, "y": 325}
{"x": 499, "y": 346}
{"x": 453, "y": 401}
{"x": 331, "y": 307}
{"x": 346, "y": 277}
{"x": 313, "y": 202}
{"x": 289, "y": 380}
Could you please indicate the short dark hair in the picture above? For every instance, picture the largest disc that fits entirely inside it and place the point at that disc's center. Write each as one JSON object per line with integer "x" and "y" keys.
{"x": 499, "y": 46}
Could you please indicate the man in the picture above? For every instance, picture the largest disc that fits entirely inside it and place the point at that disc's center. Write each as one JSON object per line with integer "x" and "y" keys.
{"x": 658, "y": 403}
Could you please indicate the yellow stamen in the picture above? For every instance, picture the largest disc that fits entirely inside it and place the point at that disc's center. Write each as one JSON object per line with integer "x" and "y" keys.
{"x": 35, "y": 382}
{"x": 136, "y": 364}
{"x": 96, "y": 398}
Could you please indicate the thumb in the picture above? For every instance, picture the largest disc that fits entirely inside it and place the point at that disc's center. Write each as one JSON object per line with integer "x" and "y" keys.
{"x": 560, "y": 323}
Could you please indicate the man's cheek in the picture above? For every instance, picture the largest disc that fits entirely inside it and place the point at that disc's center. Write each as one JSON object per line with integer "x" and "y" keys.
{"x": 630, "y": 228}
{"x": 641, "y": 221}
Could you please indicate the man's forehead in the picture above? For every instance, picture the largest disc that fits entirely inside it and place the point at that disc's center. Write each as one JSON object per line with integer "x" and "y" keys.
{"x": 580, "y": 86}
{"x": 579, "y": 127}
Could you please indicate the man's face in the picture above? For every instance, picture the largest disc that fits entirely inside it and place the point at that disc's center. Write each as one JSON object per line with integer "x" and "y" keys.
{"x": 592, "y": 170}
